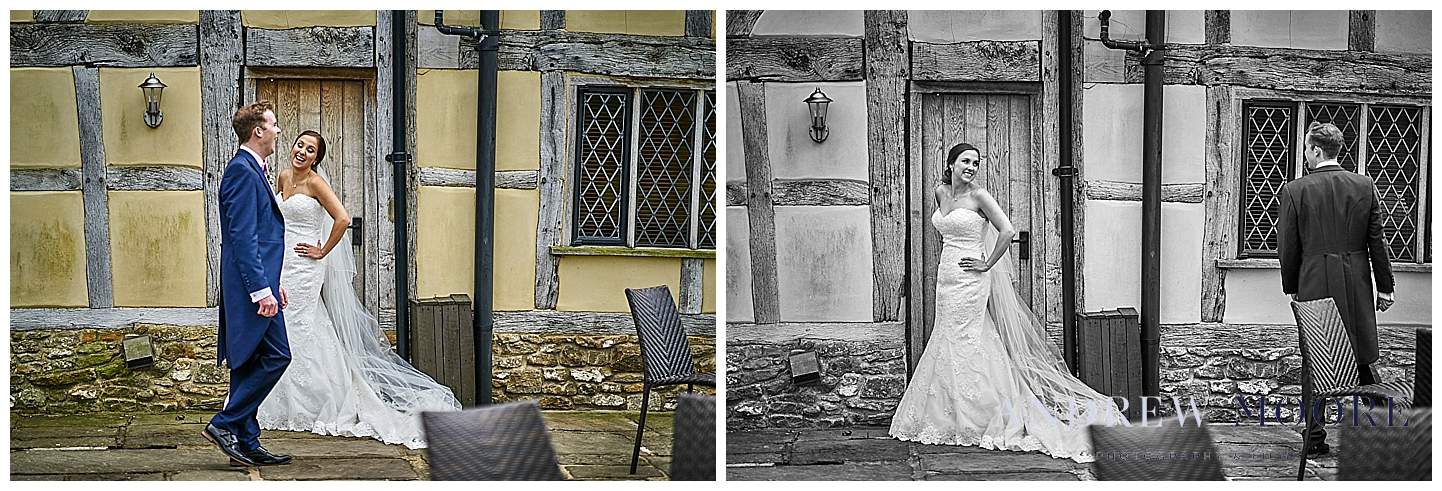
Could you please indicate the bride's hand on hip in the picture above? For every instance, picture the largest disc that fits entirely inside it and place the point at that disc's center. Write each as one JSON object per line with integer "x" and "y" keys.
{"x": 974, "y": 264}
{"x": 312, "y": 251}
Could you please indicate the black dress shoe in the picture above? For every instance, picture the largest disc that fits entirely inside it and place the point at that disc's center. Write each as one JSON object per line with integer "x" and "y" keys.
{"x": 228, "y": 444}
{"x": 261, "y": 456}
{"x": 1319, "y": 449}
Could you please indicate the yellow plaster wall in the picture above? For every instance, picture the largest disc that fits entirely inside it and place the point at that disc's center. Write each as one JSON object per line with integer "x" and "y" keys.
{"x": 128, "y": 141}
{"x": 641, "y": 22}
{"x": 708, "y": 286}
{"x": 290, "y": 19}
{"x": 47, "y": 249}
{"x": 446, "y": 119}
{"x": 445, "y": 244}
{"x": 510, "y": 19}
{"x": 144, "y": 17}
{"x": 598, "y": 283}
{"x": 157, "y": 248}
{"x": 18, "y": 16}
{"x": 44, "y": 127}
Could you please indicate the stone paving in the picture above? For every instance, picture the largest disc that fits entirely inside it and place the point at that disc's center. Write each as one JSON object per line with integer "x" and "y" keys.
{"x": 590, "y": 445}
{"x": 866, "y": 453}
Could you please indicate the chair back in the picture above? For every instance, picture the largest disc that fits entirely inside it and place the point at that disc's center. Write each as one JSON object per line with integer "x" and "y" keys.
{"x": 1422, "y": 381}
{"x": 1374, "y": 450}
{"x": 664, "y": 349}
{"x": 693, "y": 453}
{"x": 505, "y": 442}
{"x": 1327, "y": 355}
{"x": 1155, "y": 453}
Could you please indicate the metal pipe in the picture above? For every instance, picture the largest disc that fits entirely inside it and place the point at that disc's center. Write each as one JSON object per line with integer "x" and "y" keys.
{"x": 1152, "y": 202}
{"x": 400, "y": 159}
{"x": 482, "y": 322}
{"x": 1066, "y": 171}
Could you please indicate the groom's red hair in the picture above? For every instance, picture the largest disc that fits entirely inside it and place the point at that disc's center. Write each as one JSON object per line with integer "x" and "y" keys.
{"x": 250, "y": 117}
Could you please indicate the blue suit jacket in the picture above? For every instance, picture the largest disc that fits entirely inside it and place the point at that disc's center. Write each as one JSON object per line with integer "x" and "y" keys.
{"x": 252, "y": 246}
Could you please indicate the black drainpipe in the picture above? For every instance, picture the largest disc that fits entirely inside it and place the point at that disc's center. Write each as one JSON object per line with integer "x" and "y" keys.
{"x": 401, "y": 161}
{"x": 1067, "y": 172}
{"x": 482, "y": 323}
{"x": 1151, "y": 188}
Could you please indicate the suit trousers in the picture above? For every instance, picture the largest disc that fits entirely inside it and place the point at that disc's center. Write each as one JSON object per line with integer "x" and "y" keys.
{"x": 250, "y": 383}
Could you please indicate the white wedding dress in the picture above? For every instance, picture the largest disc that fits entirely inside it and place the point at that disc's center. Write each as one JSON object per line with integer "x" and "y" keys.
{"x": 343, "y": 378}
{"x": 989, "y": 377}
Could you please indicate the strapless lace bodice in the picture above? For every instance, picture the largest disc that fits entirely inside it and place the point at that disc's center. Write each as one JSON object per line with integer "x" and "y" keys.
{"x": 961, "y": 230}
{"x": 303, "y": 219}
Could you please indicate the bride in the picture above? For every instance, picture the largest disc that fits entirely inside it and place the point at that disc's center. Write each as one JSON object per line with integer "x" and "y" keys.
{"x": 343, "y": 377}
{"x": 989, "y": 376}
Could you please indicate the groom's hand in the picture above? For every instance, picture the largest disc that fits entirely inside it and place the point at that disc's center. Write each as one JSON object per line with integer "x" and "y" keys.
{"x": 1384, "y": 301}
{"x": 268, "y": 307}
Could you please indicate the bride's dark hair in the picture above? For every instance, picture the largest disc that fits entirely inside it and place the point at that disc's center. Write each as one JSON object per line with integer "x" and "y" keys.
{"x": 319, "y": 146}
{"x": 951, "y": 156}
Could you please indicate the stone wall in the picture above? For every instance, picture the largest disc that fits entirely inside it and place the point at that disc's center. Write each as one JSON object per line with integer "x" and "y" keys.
{"x": 80, "y": 371}
{"x": 861, "y": 384}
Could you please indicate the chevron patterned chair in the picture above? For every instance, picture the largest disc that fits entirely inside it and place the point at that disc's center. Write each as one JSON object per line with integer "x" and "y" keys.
{"x": 1383, "y": 446}
{"x": 1155, "y": 453}
{"x": 1329, "y": 361}
{"x": 664, "y": 350}
{"x": 1422, "y": 380}
{"x": 693, "y": 453}
{"x": 504, "y": 442}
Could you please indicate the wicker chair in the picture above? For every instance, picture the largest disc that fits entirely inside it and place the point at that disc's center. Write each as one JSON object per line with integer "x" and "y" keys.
{"x": 664, "y": 350}
{"x": 1387, "y": 447}
{"x": 1155, "y": 453}
{"x": 506, "y": 442}
{"x": 693, "y": 454}
{"x": 1330, "y": 363}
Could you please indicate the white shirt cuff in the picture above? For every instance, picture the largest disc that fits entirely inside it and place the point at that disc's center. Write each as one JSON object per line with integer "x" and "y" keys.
{"x": 261, "y": 294}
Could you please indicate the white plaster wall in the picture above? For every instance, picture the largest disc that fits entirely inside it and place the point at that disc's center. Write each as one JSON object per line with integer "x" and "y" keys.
{"x": 1254, "y": 296}
{"x": 1112, "y": 132}
{"x": 1113, "y": 251}
{"x": 953, "y": 26}
{"x": 823, "y": 263}
{"x": 1404, "y": 31}
{"x": 738, "y": 266}
{"x": 809, "y": 22}
{"x": 788, "y": 122}
{"x": 1303, "y": 29}
{"x": 1183, "y": 26}
{"x": 735, "y": 147}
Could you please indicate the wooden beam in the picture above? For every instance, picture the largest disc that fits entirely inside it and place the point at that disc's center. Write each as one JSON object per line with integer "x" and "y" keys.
{"x": 794, "y": 58}
{"x": 1132, "y": 191}
{"x": 380, "y": 193}
{"x": 806, "y": 192}
{"x": 509, "y": 179}
{"x": 552, "y": 183}
{"x": 436, "y": 50}
{"x": 409, "y": 69}
{"x": 221, "y": 54}
{"x": 1218, "y": 25}
{"x": 698, "y": 23}
{"x": 887, "y": 63}
{"x": 1047, "y": 193}
{"x": 61, "y": 15}
{"x": 110, "y": 45}
{"x": 553, "y": 19}
{"x": 111, "y": 318}
{"x": 155, "y": 178}
{"x": 1220, "y": 198}
{"x": 761, "y": 215}
{"x": 692, "y": 286}
{"x": 1078, "y": 144}
{"x": 633, "y": 251}
{"x": 311, "y": 46}
{"x": 63, "y": 179}
{"x": 790, "y": 333}
{"x": 1294, "y": 69}
{"x": 739, "y": 24}
{"x": 993, "y": 61}
{"x": 605, "y": 54}
{"x": 551, "y": 321}
{"x": 97, "y": 208}
{"x": 1362, "y": 30}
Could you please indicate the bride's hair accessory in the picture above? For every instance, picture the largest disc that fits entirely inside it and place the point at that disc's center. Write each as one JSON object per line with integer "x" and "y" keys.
{"x": 951, "y": 159}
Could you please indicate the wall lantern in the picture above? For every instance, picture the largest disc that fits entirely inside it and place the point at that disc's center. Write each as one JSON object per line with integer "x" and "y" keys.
{"x": 818, "y": 102}
{"x": 152, "y": 89}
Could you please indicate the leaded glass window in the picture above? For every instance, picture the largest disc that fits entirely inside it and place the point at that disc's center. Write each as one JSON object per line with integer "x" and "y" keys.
{"x": 640, "y": 155}
{"x": 1387, "y": 142}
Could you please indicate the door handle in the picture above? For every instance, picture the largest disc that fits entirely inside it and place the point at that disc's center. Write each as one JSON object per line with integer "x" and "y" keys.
{"x": 357, "y": 236}
{"x": 1023, "y": 238}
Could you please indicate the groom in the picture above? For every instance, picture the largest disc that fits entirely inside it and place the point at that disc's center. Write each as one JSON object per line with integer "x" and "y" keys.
{"x": 252, "y": 329}
{"x": 1331, "y": 232}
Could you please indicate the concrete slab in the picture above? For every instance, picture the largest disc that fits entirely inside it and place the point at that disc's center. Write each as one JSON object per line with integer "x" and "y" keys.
{"x": 115, "y": 461}
{"x": 1005, "y": 476}
{"x": 163, "y": 436}
{"x": 974, "y": 462}
{"x": 239, "y": 474}
{"x": 612, "y": 472}
{"x": 395, "y": 469}
{"x": 595, "y": 421}
{"x": 194, "y": 417}
{"x": 838, "y": 451}
{"x": 333, "y": 447}
{"x": 851, "y": 471}
{"x": 84, "y": 420}
{"x": 143, "y": 476}
{"x": 63, "y": 437}
{"x": 590, "y": 442}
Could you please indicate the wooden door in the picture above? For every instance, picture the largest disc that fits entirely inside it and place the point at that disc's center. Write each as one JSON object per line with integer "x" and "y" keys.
{"x": 1003, "y": 126}
{"x": 336, "y": 109}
